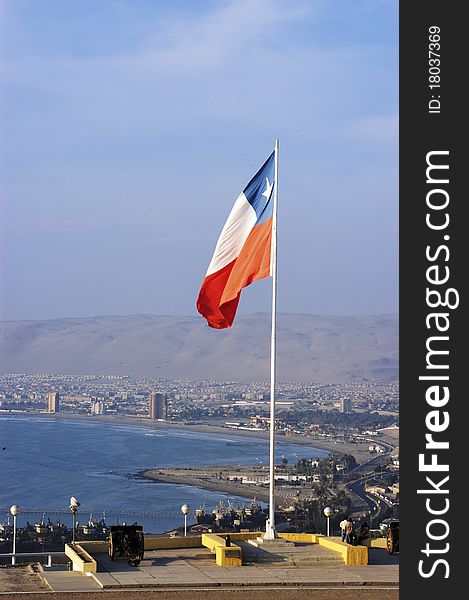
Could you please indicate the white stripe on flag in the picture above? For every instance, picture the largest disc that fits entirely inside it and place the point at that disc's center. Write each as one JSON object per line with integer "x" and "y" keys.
{"x": 238, "y": 226}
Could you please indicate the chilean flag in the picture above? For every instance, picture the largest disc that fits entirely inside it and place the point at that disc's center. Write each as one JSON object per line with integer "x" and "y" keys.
{"x": 243, "y": 251}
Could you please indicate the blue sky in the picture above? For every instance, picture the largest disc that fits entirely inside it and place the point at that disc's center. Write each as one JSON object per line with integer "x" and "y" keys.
{"x": 129, "y": 128}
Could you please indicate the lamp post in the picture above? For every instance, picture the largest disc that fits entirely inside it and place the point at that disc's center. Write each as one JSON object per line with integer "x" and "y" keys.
{"x": 15, "y": 511}
{"x": 328, "y": 511}
{"x": 74, "y": 504}
{"x": 185, "y": 509}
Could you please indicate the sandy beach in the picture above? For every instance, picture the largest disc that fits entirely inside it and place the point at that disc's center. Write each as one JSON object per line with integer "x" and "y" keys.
{"x": 207, "y": 481}
{"x": 218, "y": 479}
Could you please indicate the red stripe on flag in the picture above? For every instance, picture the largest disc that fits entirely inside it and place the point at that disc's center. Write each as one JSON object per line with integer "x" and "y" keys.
{"x": 208, "y": 302}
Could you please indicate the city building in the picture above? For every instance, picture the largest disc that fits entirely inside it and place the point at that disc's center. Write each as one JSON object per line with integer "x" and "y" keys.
{"x": 158, "y": 406}
{"x": 98, "y": 408}
{"x": 345, "y": 405}
{"x": 53, "y": 402}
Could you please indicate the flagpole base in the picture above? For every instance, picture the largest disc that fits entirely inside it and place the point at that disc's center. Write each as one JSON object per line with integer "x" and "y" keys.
{"x": 270, "y": 531}
{"x": 270, "y": 540}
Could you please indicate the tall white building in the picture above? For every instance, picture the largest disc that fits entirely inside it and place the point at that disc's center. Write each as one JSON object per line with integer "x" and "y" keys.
{"x": 53, "y": 402}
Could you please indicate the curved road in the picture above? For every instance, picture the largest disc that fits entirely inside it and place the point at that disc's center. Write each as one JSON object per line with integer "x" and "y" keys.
{"x": 376, "y": 506}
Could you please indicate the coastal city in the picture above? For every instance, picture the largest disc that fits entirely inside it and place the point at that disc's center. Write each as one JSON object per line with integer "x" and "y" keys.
{"x": 230, "y": 403}
{"x": 356, "y": 423}
{"x": 345, "y": 413}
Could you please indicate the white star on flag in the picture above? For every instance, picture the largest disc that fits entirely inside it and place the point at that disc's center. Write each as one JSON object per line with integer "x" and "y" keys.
{"x": 268, "y": 188}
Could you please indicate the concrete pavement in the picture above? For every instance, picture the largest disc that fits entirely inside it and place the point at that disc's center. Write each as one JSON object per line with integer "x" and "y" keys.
{"x": 194, "y": 568}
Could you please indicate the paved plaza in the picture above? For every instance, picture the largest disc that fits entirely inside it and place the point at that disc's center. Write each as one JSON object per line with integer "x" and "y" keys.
{"x": 195, "y": 568}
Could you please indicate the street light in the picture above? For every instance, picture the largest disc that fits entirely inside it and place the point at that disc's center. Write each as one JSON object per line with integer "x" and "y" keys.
{"x": 74, "y": 504}
{"x": 328, "y": 511}
{"x": 15, "y": 511}
{"x": 185, "y": 509}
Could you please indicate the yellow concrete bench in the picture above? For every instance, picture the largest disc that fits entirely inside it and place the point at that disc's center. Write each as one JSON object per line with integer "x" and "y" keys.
{"x": 81, "y": 560}
{"x": 225, "y": 556}
{"x": 380, "y": 542}
{"x": 352, "y": 555}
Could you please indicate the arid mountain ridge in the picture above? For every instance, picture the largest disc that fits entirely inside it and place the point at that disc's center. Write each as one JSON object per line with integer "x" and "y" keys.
{"x": 311, "y": 348}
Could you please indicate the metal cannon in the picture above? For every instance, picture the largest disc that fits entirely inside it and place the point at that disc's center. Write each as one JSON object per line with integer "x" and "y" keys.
{"x": 127, "y": 540}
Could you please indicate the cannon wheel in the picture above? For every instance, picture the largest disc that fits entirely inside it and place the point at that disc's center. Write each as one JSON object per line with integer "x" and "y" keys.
{"x": 137, "y": 551}
{"x": 141, "y": 544}
{"x": 390, "y": 541}
{"x": 111, "y": 548}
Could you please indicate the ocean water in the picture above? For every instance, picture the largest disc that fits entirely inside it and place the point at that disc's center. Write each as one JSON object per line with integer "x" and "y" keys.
{"x": 45, "y": 461}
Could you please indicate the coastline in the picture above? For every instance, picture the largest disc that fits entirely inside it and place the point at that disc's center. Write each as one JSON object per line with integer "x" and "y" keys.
{"x": 214, "y": 485}
{"x": 206, "y": 477}
{"x": 359, "y": 451}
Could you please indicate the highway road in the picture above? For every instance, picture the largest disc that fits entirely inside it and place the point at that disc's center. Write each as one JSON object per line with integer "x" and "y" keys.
{"x": 378, "y": 508}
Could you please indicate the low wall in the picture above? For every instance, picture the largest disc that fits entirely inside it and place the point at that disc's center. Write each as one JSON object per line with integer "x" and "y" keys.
{"x": 352, "y": 555}
{"x": 95, "y": 547}
{"x": 164, "y": 543}
{"x": 380, "y": 542}
{"x": 81, "y": 560}
{"x": 301, "y": 538}
{"x": 243, "y": 535}
{"x": 225, "y": 556}
{"x": 151, "y": 542}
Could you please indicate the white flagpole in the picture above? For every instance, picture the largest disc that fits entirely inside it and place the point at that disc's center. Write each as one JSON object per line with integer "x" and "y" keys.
{"x": 270, "y": 527}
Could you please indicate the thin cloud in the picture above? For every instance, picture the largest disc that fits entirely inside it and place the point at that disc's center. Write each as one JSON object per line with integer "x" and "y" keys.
{"x": 148, "y": 134}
